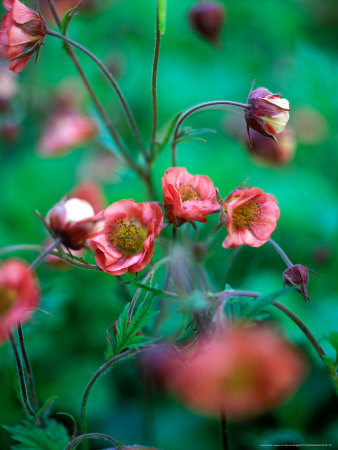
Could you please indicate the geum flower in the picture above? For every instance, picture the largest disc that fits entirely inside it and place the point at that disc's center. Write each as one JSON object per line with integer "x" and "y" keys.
{"x": 187, "y": 197}
{"x": 19, "y": 295}
{"x": 267, "y": 113}
{"x": 250, "y": 217}
{"x": 125, "y": 240}
{"x": 21, "y": 34}
{"x": 72, "y": 221}
{"x": 244, "y": 372}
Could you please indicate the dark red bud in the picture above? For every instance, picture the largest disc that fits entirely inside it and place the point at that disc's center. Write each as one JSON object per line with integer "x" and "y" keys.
{"x": 207, "y": 18}
{"x": 298, "y": 276}
{"x": 10, "y": 131}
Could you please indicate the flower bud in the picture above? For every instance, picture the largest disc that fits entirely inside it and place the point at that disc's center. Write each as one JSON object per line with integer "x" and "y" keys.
{"x": 267, "y": 113}
{"x": 207, "y": 19}
{"x": 298, "y": 276}
{"x": 72, "y": 221}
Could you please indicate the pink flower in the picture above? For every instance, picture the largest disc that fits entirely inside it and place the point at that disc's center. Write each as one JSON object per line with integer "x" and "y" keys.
{"x": 187, "y": 197}
{"x": 245, "y": 372}
{"x": 22, "y": 30}
{"x": 72, "y": 221}
{"x": 269, "y": 152}
{"x": 125, "y": 242}
{"x": 65, "y": 130}
{"x": 19, "y": 295}
{"x": 251, "y": 217}
{"x": 267, "y": 113}
{"x": 92, "y": 193}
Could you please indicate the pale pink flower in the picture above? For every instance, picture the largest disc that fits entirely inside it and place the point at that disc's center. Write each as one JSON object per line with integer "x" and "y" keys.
{"x": 125, "y": 242}
{"x": 19, "y": 295}
{"x": 251, "y": 217}
{"x": 21, "y": 30}
{"x": 267, "y": 113}
{"x": 65, "y": 130}
{"x": 187, "y": 197}
{"x": 244, "y": 372}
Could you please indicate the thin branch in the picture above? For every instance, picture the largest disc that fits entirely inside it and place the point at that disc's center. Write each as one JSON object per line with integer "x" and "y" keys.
{"x": 79, "y": 439}
{"x": 45, "y": 253}
{"x": 19, "y": 247}
{"x": 224, "y": 430}
{"x": 281, "y": 253}
{"x": 154, "y": 83}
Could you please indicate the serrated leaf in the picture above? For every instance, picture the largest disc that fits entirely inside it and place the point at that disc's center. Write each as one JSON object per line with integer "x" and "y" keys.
{"x": 261, "y": 302}
{"x": 53, "y": 436}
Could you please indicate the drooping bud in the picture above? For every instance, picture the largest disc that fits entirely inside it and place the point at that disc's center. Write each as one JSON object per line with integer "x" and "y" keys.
{"x": 267, "y": 113}
{"x": 207, "y": 19}
{"x": 298, "y": 276}
{"x": 72, "y": 220}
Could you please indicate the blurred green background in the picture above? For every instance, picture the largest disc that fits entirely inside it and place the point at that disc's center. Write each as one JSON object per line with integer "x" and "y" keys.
{"x": 288, "y": 46}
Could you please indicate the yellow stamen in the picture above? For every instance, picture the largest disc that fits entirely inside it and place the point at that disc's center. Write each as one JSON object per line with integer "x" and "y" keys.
{"x": 127, "y": 237}
{"x": 188, "y": 192}
{"x": 7, "y": 298}
{"x": 244, "y": 215}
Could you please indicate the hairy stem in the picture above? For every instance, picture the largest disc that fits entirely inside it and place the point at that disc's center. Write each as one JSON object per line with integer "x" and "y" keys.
{"x": 19, "y": 247}
{"x": 113, "y": 82}
{"x": 192, "y": 110}
{"x": 23, "y": 389}
{"x": 281, "y": 253}
{"x": 154, "y": 83}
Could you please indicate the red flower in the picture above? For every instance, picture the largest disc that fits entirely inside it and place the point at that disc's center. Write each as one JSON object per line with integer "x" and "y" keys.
{"x": 65, "y": 130}
{"x": 244, "y": 372}
{"x": 251, "y": 217}
{"x": 72, "y": 220}
{"x": 187, "y": 197}
{"x": 19, "y": 295}
{"x": 267, "y": 151}
{"x": 267, "y": 113}
{"x": 125, "y": 242}
{"x": 22, "y": 32}
{"x": 207, "y": 18}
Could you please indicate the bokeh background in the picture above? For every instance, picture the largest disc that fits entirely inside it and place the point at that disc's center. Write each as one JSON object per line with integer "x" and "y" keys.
{"x": 289, "y": 47}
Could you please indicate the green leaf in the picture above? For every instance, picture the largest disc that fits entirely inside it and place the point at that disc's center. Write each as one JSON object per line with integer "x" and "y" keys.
{"x": 155, "y": 291}
{"x": 53, "y": 436}
{"x": 332, "y": 339}
{"x": 165, "y": 135}
{"x": 261, "y": 302}
{"x": 162, "y": 15}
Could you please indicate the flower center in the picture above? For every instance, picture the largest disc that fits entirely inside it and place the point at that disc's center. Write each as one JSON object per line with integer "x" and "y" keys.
{"x": 127, "y": 236}
{"x": 188, "y": 192}
{"x": 239, "y": 382}
{"x": 244, "y": 215}
{"x": 7, "y": 298}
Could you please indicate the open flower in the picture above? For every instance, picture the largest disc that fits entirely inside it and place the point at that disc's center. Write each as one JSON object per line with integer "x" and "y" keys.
{"x": 72, "y": 221}
{"x": 267, "y": 113}
{"x": 65, "y": 130}
{"x": 21, "y": 34}
{"x": 187, "y": 197}
{"x": 251, "y": 217}
{"x": 19, "y": 295}
{"x": 125, "y": 241}
{"x": 244, "y": 372}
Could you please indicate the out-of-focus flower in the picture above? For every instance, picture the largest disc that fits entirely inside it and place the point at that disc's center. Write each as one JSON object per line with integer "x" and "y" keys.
{"x": 310, "y": 125}
{"x": 21, "y": 34}
{"x": 244, "y": 372}
{"x": 72, "y": 221}
{"x": 8, "y": 86}
{"x": 251, "y": 217}
{"x": 298, "y": 276}
{"x": 10, "y": 130}
{"x": 267, "y": 113}
{"x": 207, "y": 19}
{"x": 19, "y": 295}
{"x": 62, "y": 6}
{"x": 268, "y": 151}
{"x": 187, "y": 197}
{"x": 92, "y": 193}
{"x": 125, "y": 241}
{"x": 101, "y": 165}
{"x": 65, "y": 130}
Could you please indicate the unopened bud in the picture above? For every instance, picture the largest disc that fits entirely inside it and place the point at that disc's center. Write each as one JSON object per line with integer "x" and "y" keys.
{"x": 298, "y": 276}
{"x": 207, "y": 18}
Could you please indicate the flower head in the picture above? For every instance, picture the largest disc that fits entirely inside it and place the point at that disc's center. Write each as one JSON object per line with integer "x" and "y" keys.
{"x": 269, "y": 152}
{"x": 125, "y": 241}
{"x": 19, "y": 294}
{"x": 251, "y": 217}
{"x": 187, "y": 197}
{"x": 21, "y": 34}
{"x": 298, "y": 276}
{"x": 207, "y": 18}
{"x": 65, "y": 130}
{"x": 267, "y": 113}
{"x": 72, "y": 220}
{"x": 245, "y": 372}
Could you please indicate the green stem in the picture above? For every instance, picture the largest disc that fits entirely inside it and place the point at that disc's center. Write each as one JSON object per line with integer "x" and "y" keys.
{"x": 192, "y": 111}
{"x": 154, "y": 83}
{"x": 105, "y": 70}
